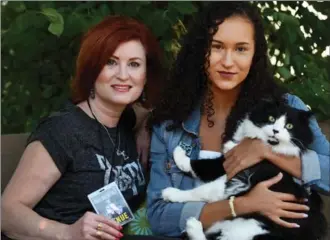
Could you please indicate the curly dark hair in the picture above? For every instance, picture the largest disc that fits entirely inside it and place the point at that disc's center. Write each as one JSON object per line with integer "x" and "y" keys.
{"x": 188, "y": 79}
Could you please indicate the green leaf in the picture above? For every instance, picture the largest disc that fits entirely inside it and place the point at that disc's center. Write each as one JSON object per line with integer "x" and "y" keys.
{"x": 104, "y": 9}
{"x": 56, "y": 21}
{"x": 183, "y": 7}
{"x": 286, "y": 18}
{"x": 56, "y": 28}
{"x": 287, "y": 57}
{"x": 284, "y": 72}
{"x": 17, "y": 6}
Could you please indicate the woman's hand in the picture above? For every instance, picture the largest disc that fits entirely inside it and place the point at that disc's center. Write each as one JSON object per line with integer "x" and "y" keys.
{"x": 246, "y": 154}
{"x": 143, "y": 143}
{"x": 275, "y": 205}
{"x": 93, "y": 227}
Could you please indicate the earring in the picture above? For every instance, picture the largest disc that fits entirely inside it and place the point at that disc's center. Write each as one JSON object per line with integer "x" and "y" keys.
{"x": 143, "y": 96}
{"x": 92, "y": 93}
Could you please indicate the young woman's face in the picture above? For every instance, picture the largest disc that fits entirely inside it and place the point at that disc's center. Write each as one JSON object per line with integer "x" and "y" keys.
{"x": 122, "y": 79}
{"x": 232, "y": 50}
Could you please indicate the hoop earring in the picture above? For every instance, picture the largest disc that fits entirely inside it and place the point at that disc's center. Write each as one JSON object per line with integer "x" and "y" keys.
{"x": 92, "y": 93}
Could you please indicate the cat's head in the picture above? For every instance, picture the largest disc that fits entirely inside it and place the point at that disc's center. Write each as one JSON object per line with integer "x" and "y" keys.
{"x": 282, "y": 126}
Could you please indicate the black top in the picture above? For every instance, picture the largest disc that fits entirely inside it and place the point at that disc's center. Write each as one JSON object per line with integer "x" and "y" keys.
{"x": 82, "y": 151}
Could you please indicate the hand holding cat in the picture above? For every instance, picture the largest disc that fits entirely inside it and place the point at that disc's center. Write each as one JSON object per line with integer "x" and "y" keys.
{"x": 246, "y": 154}
{"x": 274, "y": 205}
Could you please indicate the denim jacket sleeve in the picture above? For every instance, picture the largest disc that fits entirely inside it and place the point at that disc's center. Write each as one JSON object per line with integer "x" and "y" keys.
{"x": 316, "y": 161}
{"x": 165, "y": 218}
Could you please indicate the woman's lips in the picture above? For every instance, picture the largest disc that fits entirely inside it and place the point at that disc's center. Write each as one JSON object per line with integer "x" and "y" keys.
{"x": 121, "y": 88}
{"x": 227, "y": 75}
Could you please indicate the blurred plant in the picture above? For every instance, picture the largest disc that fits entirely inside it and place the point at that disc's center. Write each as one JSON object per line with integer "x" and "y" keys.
{"x": 40, "y": 41}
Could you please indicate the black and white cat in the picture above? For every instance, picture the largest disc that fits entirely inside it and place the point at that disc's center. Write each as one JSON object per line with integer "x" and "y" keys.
{"x": 287, "y": 130}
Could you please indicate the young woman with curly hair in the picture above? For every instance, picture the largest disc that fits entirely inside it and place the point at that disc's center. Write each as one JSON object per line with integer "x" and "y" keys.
{"x": 221, "y": 71}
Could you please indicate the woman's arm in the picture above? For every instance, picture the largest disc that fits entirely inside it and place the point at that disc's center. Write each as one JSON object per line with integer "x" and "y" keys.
{"x": 165, "y": 218}
{"x": 34, "y": 176}
{"x": 315, "y": 163}
{"x": 290, "y": 164}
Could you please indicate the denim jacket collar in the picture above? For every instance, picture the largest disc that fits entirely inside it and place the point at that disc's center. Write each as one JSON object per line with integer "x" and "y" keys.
{"x": 191, "y": 125}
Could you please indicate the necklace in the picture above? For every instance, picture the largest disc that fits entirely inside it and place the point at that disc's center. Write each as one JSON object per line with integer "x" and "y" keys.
{"x": 116, "y": 149}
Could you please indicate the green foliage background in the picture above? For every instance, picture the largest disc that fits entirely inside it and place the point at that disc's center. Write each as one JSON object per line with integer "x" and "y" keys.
{"x": 40, "y": 41}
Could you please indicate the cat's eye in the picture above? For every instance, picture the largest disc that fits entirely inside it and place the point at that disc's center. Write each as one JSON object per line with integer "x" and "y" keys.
{"x": 289, "y": 126}
{"x": 271, "y": 119}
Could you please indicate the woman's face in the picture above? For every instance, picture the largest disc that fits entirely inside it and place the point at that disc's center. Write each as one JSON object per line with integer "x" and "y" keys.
{"x": 122, "y": 79}
{"x": 231, "y": 53}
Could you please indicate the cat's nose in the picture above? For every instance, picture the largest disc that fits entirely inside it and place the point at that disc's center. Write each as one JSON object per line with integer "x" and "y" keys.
{"x": 275, "y": 131}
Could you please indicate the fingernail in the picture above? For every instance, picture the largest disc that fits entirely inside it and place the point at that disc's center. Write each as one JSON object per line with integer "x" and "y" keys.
{"x": 305, "y": 199}
{"x": 296, "y": 225}
{"x": 307, "y": 208}
{"x": 305, "y": 215}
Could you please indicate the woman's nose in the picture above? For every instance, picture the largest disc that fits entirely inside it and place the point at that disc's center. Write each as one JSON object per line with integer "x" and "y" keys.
{"x": 123, "y": 73}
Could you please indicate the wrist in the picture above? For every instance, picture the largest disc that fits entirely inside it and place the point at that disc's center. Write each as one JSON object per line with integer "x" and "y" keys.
{"x": 243, "y": 205}
{"x": 64, "y": 232}
{"x": 268, "y": 154}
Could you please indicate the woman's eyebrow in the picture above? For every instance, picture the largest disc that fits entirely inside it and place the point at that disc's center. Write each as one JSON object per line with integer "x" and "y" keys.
{"x": 239, "y": 43}
{"x": 133, "y": 58}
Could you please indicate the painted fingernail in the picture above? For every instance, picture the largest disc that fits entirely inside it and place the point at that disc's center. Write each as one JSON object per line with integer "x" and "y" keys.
{"x": 307, "y": 208}
{"x": 305, "y": 199}
{"x": 296, "y": 225}
{"x": 305, "y": 215}
{"x": 120, "y": 235}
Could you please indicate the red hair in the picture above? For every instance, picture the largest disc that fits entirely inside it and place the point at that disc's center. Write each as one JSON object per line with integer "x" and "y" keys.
{"x": 99, "y": 44}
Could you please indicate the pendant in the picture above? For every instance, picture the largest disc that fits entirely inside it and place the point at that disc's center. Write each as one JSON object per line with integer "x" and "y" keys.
{"x": 123, "y": 154}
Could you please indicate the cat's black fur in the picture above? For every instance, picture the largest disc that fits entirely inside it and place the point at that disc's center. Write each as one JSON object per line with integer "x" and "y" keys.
{"x": 313, "y": 227}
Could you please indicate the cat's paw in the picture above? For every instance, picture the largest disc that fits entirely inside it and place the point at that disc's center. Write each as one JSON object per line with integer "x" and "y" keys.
{"x": 172, "y": 194}
{"x": 194, "y": 229}
{"x": 181, "y": 160}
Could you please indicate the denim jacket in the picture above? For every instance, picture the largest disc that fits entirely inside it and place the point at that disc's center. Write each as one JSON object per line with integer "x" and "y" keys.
{"x": 169, "y": 219}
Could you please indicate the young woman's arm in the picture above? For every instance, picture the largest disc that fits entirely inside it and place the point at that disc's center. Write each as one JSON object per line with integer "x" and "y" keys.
{"x": 315, "y": 163}
{"x": 260, "y": 199}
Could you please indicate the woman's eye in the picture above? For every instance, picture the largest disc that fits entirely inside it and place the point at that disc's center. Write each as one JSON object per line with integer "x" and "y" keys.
{"x": 111, "y": 62}
{"x": 289, "y": 126}
{"x": 134, "y": 64}
{"x": 241, "y": 49}
{"x": 217, "y": 46}
{"x": 271, "y": 119}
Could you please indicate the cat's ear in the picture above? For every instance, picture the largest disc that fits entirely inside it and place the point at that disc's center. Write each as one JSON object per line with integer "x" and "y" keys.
{"x": 305, "y": 115}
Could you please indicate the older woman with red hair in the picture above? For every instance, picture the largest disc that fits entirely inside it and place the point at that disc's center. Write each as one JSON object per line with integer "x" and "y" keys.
{"x": 88, "y": 144}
